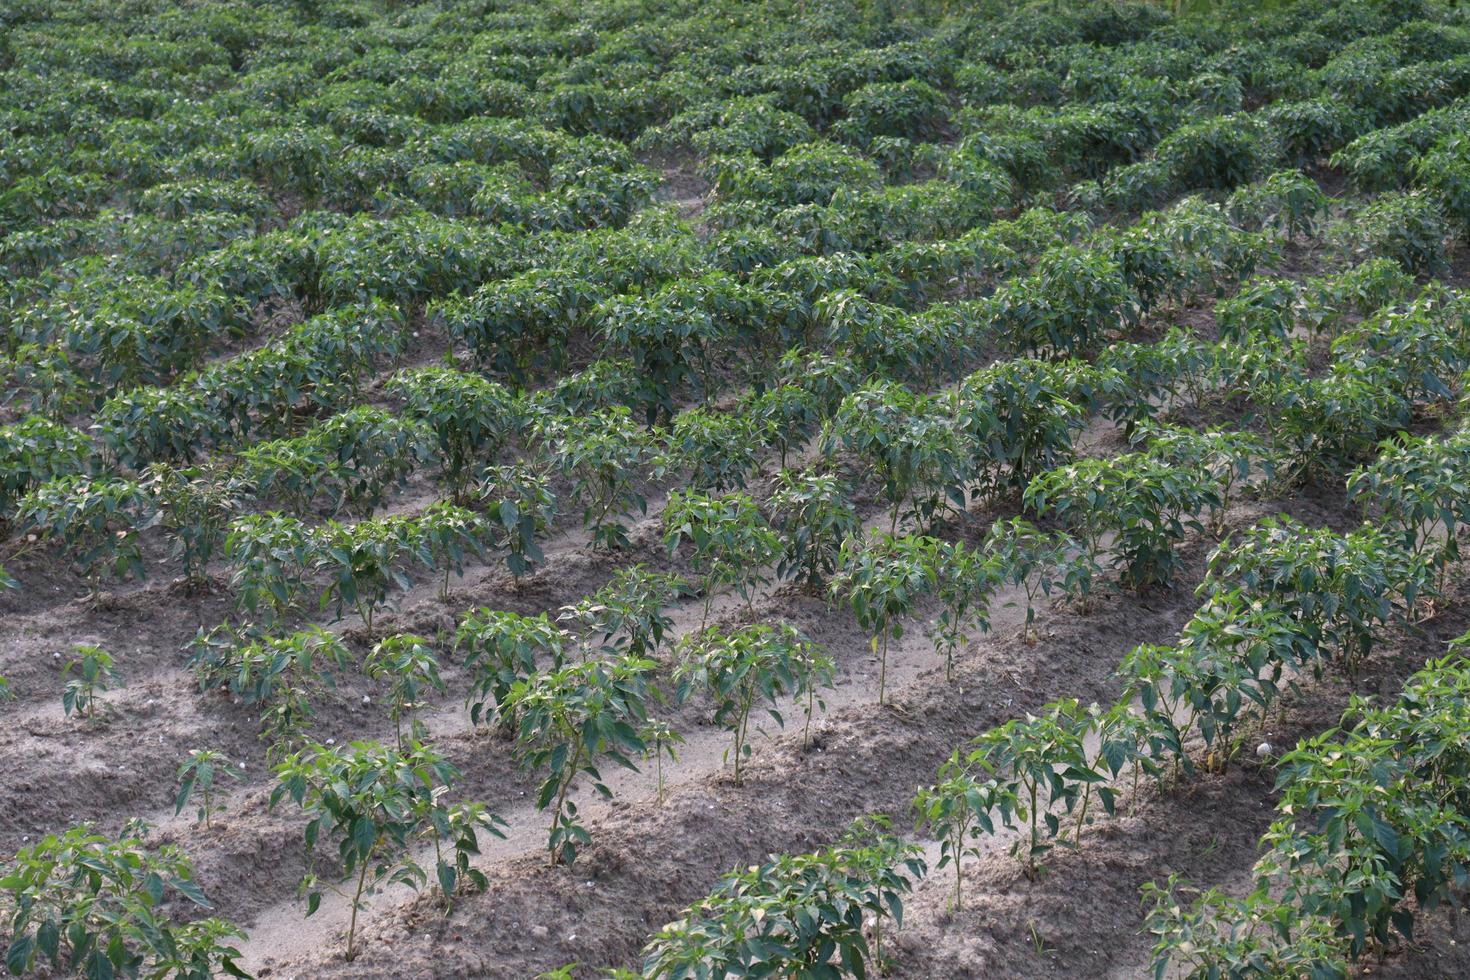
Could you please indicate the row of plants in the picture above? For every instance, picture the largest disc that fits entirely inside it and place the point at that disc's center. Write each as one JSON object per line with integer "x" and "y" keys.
{"x": 1281, "y": 601}
{"x": 1369, "y": 841}
{"x": 1038, "y": 777}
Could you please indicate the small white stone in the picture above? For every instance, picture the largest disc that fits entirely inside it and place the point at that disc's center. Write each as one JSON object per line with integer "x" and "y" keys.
{"x": 1263, "y": 750}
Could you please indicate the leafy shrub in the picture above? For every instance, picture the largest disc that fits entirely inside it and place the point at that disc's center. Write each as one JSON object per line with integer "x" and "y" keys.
{"x": 572, "y": 718}
{"x": 795, "y": 914}
{"x": 471, "y": 418}
{"x": 1444, "y": 174}
{"x": 501, "y": 649}
{"x": 1288, "y": 201}
{"x": 602, "y": 453}
{"x": 1216, "y": 154}
{"x": 746, "y": 668}
{"x": 1147, "y": 503}
{"x": 196, "y": 506}
{"x": 379, "y": 803}
{"x": 96, "y": 520}
{"x": 814, "y": 515}
{"x": 731, "y": 539}
{"x": 1408, "y": 228}
{"x": 1019, "y": 418}
{"x": 35, "y": 450}
{"x": 281, "y": 674}
{"x": 1341, "y": 589}
{"x": 906, "y": 442}
{"x": 92, "y": 905}
{"x": 910, "y": 108}
{"x": 1312, "y": 129}
{"x": 272, "y": 555}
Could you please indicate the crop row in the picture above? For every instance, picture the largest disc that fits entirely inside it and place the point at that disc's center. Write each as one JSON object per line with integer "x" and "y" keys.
{"x": 1281, "y": 601}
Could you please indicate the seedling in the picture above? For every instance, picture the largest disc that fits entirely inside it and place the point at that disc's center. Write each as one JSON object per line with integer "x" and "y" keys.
{"x": 196, "y": 774}
{"x": 96, "y": 673}
{"x": 961, "y": 807}
{"x": 744, "y": 667}
{"x": 411, "y": 668}
{"x": 882, "y": 583}
{"x": 571, "y": 719}
{"x": 661, "y": 741}
{"x": 376, "y": 802}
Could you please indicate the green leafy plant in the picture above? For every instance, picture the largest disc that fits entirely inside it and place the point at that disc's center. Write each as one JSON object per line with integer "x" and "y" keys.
{"x": 661, "y": 740}
{"x": 628, "y": 613}
{"x": 882, "y": 583}
{"x": 471, "y": 418}
{"x": 412, "y": 670}
{"x": 35, "y": 450}
{"x": 501, "y": 649}
{"x": 97, "y": 521}
{"x": 731, "y": 539}
{"x": 377, "y": 802}
{"x": 718, "y": 450}
{"x": 797, "y": 915}
{"x": 364, "y": 562}
{"x": 1228, "y": 458}
{"x": 281, "y": 674}
{"x": 1042, "y": 760}
{"x": 964, "y": 582}
{"x": 602, "y": 455}
{"x": 1421, "y": 485}
{"x": 745, "y": 668}
{"x": 94, "y": 906}
{"x": 1037, "y": 561}
{"x": 1019, "y": 418}
{"x": 518, "y": 501}
{"x": 814, "y": 514}
{"x": 1148, "y": 505}
{"x": 196, "y": 775}
{"x": 196, "y": 506}
{"x": 961, "y": 807}
{"x": 1340, "y": 589}
{"x": 443, "y": 535}
{"x": 908, "y": 444}
{"x": 272, "y": 555}
{"x": 96, "y": 673}
{"x": 572, "y": 719}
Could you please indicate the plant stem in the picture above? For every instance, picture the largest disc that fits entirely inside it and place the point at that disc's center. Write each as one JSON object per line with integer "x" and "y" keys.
{"x": 356, "y": 901}
{"x": 561, "y": 798}
{"x": 959, "y": 840}
{"x": 883, "y": 667}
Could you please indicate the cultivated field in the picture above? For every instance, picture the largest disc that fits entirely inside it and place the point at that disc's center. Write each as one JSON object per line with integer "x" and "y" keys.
{"x": 734, "y": 489}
